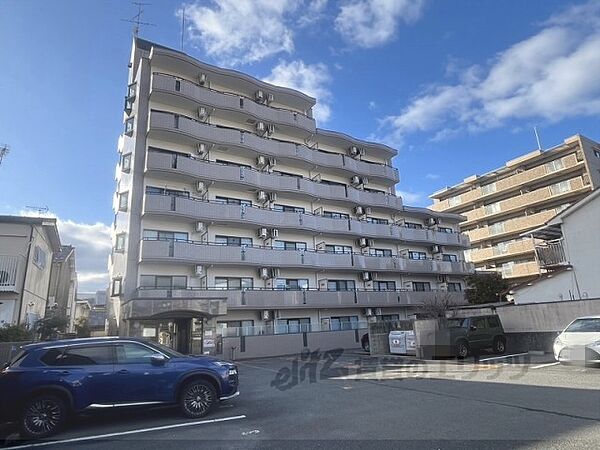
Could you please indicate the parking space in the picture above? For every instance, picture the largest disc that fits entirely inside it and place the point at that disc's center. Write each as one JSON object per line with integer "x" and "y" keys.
{"x": 349, "y": 399}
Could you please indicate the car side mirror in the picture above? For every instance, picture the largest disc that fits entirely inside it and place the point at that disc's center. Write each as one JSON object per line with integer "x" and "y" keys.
{"x": 158, "y": 360}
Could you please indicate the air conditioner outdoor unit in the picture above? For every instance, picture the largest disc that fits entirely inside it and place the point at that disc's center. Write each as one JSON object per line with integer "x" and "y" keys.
{"x": 201, "y": 148}
{"x": 263, "y": 233}
{"x": 263, "y": 273}
{"x": 259, "y": 96}
{"x": 261, "y": 196}
{"x": 272, "y": 162}
{"x": 267, "y": 315}
{"x": 366, "y": 276}
{"x": 363, "y": 242}
{"x": 368, "y": 210}
{"x": 202, "y": 113}
{"x": 353, "y": 151}
{"x": 316, "y": 178}
{"x": 355, "y": 180}
{"x": 261, "y": 161}
{"x": 371, "y": 242}
{"x": 368, "y": 312}
{"x": 199, "y": 270}
{"x": 374, "y": 276}
{"x": 321, "y": 246}
{"x": 378, "y": 312}
{"x": 431, "y": 221}
{"x": 270, "y": 98}
{"x": 260, "y": 127}
{"x": 272, "y": 196}
{"x": 442, "y": 278}
{"x": 200, "y": 227}
{"x": 318, "y": 211}
{"x": 275, "y": 272}
{"x": 404, "y": 253}
{"x": 270, "y": 129}
{"x": 364, "y": 181}
{"x": 359, "y": 210}
{"x": 202, "y": 79}
{"x": 436, "y": 249}
{"x": 201, "y": 186}
{"x": 274, "y": 233}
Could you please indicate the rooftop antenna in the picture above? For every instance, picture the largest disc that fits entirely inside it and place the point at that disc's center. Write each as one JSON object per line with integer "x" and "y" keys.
{"x": 137, "y": 19}
{"x": 4, "y": 150}
{"x": 39, "y": 209}
{"x": 537, "y": 138}
{"x": 182, "y": 25}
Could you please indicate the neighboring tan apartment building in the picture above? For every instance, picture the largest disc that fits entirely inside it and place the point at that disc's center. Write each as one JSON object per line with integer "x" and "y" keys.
{"x": 63, "y": 286}
{"x": 27, "y": 246}
{"x": 235, "y": 214}
{"x": 502, "y": 205}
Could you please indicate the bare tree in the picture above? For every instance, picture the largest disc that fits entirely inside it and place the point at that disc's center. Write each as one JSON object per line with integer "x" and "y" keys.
{"x": 436, "y": 306}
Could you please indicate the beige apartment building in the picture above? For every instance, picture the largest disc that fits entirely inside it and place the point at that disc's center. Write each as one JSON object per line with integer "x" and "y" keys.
{"x": 501, "y": 206}
{"x": 235, "y": 215}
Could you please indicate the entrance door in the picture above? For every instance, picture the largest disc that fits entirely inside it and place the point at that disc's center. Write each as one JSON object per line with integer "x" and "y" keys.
{"x": 183, "y": 335}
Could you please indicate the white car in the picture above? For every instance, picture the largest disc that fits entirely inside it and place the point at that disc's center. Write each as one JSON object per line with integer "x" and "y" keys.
{"x": 579, "y": 342}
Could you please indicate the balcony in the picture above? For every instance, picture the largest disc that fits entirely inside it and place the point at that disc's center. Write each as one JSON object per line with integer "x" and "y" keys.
{"x": 163, "y": 87}
{"x": 520, "y": 270}
{"x": 10, "y": 269}
{"x": 512, "y": 227}
{"x": 196, "y": 209}
{"x": 524, "y": 178}
{"x": 502, "y": 251}
{"x": 189, "y": 252}
{"x": 153, "y": 302}
{"x": 190, "y": 131}
{"x": 169, "y": 164}
{"x": 551, "y": 255}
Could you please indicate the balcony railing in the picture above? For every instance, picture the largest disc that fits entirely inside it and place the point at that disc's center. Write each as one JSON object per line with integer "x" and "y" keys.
{"x": 9, "y": 269}
{"x": 193, "y": 131}
{"x": 513, "y": 226}
{"x": 291, "y": 328}
{"x": 193, "y": 252}
{"x": 199, "y": 209}
{"x": 551, "y": 254}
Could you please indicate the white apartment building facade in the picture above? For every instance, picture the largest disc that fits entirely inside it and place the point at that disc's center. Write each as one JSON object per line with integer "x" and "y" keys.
{"x": 234, "y": 212}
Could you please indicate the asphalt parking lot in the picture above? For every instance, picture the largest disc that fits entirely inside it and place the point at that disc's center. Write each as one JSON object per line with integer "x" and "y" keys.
{"x": 351, "y": 400}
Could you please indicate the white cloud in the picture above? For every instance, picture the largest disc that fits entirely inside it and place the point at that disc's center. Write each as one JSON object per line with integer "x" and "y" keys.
{"x": 432, "y": 176}
{"x": 372, "y": 105}
{"x": 410, "y": 198}
{"x": 551, "y": 75}
{"x": 92, "y": 244}
{"x": 369, "y": 23}
{"x": 241, "y": 31}
{"x": 312, "y": 79}
{"x": 312, "y": 13}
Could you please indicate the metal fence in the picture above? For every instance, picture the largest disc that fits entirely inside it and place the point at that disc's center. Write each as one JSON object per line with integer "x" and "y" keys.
{"x": 291, "y": 329}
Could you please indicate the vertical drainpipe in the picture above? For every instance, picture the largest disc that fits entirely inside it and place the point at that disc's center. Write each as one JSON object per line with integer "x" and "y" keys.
{"x": 26, "y": 272}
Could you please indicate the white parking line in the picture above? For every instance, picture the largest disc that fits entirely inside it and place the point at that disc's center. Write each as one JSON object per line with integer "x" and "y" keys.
{"x": 503, "y": 357}
{"x": 541, "y": 366}
{"x": 124, "y": 433}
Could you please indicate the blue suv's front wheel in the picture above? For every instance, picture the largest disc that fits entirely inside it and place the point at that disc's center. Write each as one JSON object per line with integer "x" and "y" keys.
{"x": 43, "y": 416}
{"x": 198, "y": 398}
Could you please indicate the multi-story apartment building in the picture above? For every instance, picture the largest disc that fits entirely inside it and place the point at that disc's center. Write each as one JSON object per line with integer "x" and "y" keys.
{"x": 501, "y": 206}
{"x": 27, "y": 246}
{"x": 234, "y": 211}
{"x": 62, "y": 294}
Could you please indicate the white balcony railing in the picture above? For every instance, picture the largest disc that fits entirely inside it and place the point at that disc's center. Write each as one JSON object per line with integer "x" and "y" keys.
{"x": 9, "y": 267}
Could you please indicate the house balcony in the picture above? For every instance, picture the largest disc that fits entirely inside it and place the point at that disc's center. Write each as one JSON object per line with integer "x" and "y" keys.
{"x": 11, "y": 268}
{"x": 196, "y": 209}
{"x": 189, "y": 252}
{"x": 177, "y": 167}
{"x": 551, "y": 255}
{"x": 189, "y": 131}
{"x": 150, "y": 302}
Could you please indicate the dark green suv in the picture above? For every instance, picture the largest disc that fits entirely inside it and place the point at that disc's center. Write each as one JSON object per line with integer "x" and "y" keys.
{"x": 469, "y": 334}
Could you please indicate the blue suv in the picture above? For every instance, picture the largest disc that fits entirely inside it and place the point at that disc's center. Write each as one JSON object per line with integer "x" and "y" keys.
{"x": 47, "y": 381}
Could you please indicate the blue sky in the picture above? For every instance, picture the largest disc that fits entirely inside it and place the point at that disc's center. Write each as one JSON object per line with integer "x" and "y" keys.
{"x": 456, "y": 86}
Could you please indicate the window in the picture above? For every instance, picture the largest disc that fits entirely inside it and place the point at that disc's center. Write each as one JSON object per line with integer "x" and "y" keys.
{"x": 291, "y": 284}
{"x": 493, "y": 322}
{"x": 129, "y": 126}
{"x": 448, "y": 257}
{"x": 384, "y": 285}
{"x": 131, "y": 90}
{"x": 126, "y": 162}
{"x": 597, "y": 153}
{"x": 340, "y": 285}
{"x": 79, "y": 356}
{"x": 378, "y": 220}
{"x": 416, "y": 226}
{"x": 478, "y": 322}
{"x": 332, "y": 183}
{"x": 123, "y": 201}
{"x": 380, "y": 252}
{"x": 232, "y": 201}
{"x": 116, "y": 287}
{"x": 454, "y": 201}
{"x": 231, "y": 163}
{"x": 454, "y": 287}
{"x": 233, "y": 241}
{"x": 176, "y": 121}
{"x": 120, "y": 242}
{"x": 390, "y": 317}
{"x": 156, "y": 235}
{"x": 39, "y": 257}
{"x": 287, "y": 174}
{"x": 178, "y": 85}
{"x": 492, "y": 208}
{"x": 233, "y": 283}
{"x": 421, "y": 286}
{"x": 289, "y": 245}
{"x": 591, "y": 325}
{"x": 417, "y": 255}
{"x": 375, "y": 191}
{"x": 152, "y": 190}
{"x": 343, "y": 323}
{"x": 559, "y": 188}
{"x": 288, "y": 208}
{"x": 488, "y": 189}
{"x": 501, "y": 248}
{"x": 237, "y": 326}
{"x": 338, "y": 249}
{"x": 335, "y": 215}
{"x": 555, "y": 165}
{"x": 497, "y": 228}
{"x": 445, "y": 230}
{"x": 130, "y": 353}
{"x": 163, "y": 281}
{"x": 297, "y": 325}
